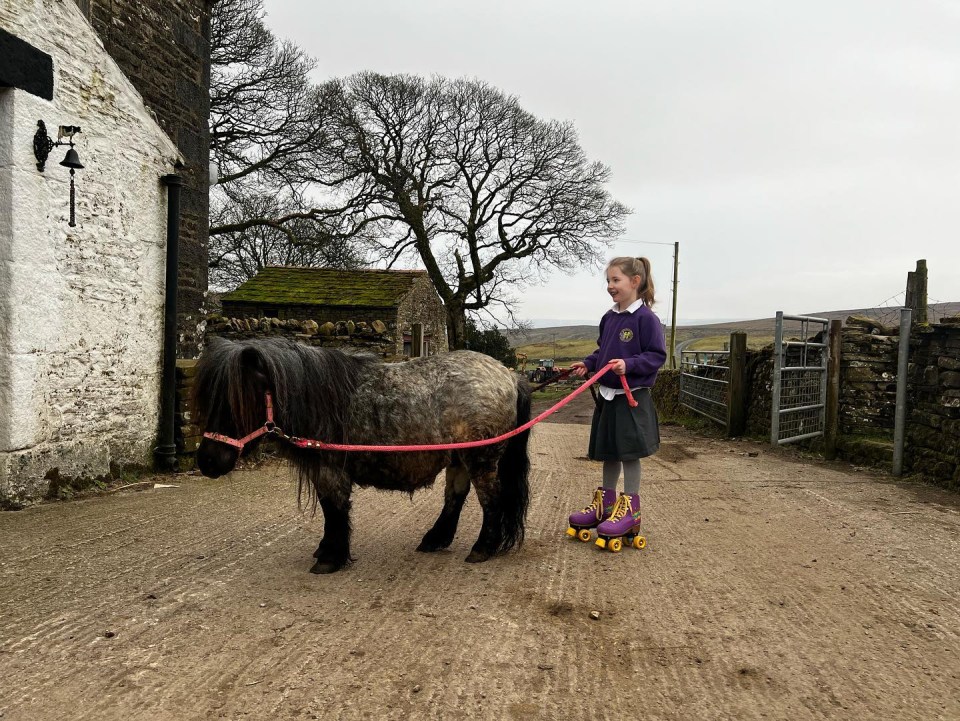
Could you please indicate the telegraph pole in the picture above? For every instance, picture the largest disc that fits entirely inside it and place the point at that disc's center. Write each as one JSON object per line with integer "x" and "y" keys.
{"x": 673, "y": 314}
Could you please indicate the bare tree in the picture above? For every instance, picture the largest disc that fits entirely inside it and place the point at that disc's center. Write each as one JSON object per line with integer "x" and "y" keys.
{"x": 457, "y": 175}
{"x": 239, "y": 255}
{"x": 266, "y": 121}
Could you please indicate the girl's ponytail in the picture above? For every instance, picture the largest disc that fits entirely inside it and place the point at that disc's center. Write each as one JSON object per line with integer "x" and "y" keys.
{"x": 646, "y": 287}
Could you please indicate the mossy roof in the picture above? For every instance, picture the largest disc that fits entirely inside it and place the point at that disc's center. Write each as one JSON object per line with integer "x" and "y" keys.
{"x": 281, "y": 285}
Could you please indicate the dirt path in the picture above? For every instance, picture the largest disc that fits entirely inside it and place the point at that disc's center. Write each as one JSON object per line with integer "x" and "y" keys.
{"x": 771, "y": 588}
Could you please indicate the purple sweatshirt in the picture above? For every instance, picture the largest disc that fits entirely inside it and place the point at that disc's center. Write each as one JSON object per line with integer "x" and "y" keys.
{"x": 636, "y": 337}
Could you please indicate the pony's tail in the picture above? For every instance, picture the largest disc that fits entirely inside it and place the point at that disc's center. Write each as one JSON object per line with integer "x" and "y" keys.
{"x": 513, "y": 471}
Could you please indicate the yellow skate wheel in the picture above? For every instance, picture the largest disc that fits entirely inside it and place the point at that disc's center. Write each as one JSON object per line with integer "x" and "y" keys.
{"x": 572, "y": 532}
{"x": 639, "y": 542}
{"x": 602, "y": 542}
{"x": 584, "y": 535}
{"x": 616, "y": 545}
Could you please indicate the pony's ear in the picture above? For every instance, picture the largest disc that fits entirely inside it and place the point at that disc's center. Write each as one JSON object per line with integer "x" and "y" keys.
{"x": 252, "y": 360}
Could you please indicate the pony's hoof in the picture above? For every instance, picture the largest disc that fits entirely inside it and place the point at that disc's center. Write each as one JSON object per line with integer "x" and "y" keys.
{"x": 431, "y": 546}
{"x": 477, "y": 556}
{"x": 326, "y": 567}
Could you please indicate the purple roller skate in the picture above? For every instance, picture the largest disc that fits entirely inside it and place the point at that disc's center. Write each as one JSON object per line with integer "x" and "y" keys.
{"x": 622, "y": 525}
{"x": 582, "y": 521}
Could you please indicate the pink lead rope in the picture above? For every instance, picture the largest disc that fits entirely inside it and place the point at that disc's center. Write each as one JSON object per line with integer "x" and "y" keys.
{"x": 270, "y": 427}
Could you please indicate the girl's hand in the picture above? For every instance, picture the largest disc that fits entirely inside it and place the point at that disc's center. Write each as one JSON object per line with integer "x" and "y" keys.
{"x": 619, "y": 366}
{"x": 578, "y": 369}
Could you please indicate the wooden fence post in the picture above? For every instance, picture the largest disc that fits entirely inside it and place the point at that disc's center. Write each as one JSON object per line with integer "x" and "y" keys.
{"x": 416, "y": 340}
{"x": 916, "y": 293}
{"x": 737, "y": 402}
{"x": 831, "y": 417}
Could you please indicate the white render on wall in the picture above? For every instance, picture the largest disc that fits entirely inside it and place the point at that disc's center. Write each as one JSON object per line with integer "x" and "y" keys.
{"x": 81, "y": 309}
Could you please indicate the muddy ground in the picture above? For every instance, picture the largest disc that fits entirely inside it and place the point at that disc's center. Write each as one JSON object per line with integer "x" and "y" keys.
{"x": 774, "y": 586}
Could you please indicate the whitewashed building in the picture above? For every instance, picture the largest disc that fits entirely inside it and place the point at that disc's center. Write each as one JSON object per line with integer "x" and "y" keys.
{"x": 81, "y": 307}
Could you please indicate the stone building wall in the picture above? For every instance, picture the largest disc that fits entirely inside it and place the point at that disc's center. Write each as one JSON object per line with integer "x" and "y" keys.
{"x": 81, "y": 308}
{"x": 423, "y": 305}
{"x": 163, "y": 47}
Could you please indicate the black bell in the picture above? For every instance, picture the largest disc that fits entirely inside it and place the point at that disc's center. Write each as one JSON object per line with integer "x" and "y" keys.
{"x": 72, "y": 160}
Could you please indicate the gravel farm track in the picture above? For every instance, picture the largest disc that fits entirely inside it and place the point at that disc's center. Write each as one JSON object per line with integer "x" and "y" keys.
{"x": 774, "y": 586}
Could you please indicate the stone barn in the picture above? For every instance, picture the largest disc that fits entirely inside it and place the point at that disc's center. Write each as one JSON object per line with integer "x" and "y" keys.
{"x": 84, "y": 236}
{"x": 398, "y": 298}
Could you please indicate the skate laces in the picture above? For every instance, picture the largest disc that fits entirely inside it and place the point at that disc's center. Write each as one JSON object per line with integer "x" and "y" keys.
{"x": 595, "y": 505}
{"x": 621, "y": 508}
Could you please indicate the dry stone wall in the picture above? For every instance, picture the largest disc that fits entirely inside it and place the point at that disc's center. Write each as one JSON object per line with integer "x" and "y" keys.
{"x": 868, "y": 378}
{"x": 374, "y": 336}
{"x": 867, "y": 404}
{"x": 759, "y": 385}
{"x": 933, "y": 427}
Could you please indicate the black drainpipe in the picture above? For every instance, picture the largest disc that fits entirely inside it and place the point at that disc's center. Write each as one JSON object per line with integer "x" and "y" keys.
{"x": 165, "y": 454}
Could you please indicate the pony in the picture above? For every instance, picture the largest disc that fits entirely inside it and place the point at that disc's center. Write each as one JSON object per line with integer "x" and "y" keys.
{"x": 342, "y": 396}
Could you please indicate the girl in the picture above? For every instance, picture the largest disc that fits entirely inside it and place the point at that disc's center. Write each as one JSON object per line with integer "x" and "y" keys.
{"x": 631, "y": 336}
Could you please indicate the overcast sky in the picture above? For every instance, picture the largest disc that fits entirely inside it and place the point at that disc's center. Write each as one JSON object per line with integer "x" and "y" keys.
{"x": 803, "y": 154}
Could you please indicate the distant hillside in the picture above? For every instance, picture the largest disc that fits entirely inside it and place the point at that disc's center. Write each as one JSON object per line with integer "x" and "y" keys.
{"x": 761, "y": 326}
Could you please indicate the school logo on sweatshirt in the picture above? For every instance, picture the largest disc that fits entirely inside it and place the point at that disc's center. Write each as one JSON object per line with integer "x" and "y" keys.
{"x": 626, "y": 335}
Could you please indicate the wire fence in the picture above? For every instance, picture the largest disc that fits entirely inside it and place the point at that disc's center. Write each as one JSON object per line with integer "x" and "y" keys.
{"x": 887, "y": 311}
{"x": 704, "y": 383}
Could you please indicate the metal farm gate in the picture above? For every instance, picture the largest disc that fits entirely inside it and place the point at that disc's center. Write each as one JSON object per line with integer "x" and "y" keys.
{"x": 799, "y": 380}
{"x": 704, "y": 380}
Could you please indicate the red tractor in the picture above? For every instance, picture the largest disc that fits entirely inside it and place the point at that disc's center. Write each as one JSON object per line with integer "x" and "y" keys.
{"x": 545, "y": 371}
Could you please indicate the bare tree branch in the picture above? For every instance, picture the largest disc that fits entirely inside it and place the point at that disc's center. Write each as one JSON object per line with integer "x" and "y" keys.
{"x": 271, "y": 203}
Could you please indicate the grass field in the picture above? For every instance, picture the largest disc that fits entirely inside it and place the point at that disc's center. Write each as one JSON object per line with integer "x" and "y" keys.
{"x": 716, "y": 342}
{"x": 566, "y": 351}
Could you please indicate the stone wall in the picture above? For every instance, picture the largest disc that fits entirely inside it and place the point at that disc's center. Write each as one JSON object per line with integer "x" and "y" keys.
{"x": 81, "y": 308}
{"x": 666, "y": 397}
{"x": 759, "y": 391}
{"x": 868, "y": 367}
{"x": 163, "y": 47}
{"x": 326, "y": 313}
{"x": 868, "y": 378}
{"x": 375, "y": 337}
{"x": 867, "y": 406}
{"x": 933, "y": 427}
{"x": 186, "y": 433}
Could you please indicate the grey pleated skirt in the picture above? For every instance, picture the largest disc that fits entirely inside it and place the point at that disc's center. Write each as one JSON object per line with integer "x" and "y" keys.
{"x": 621, "y": 433}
